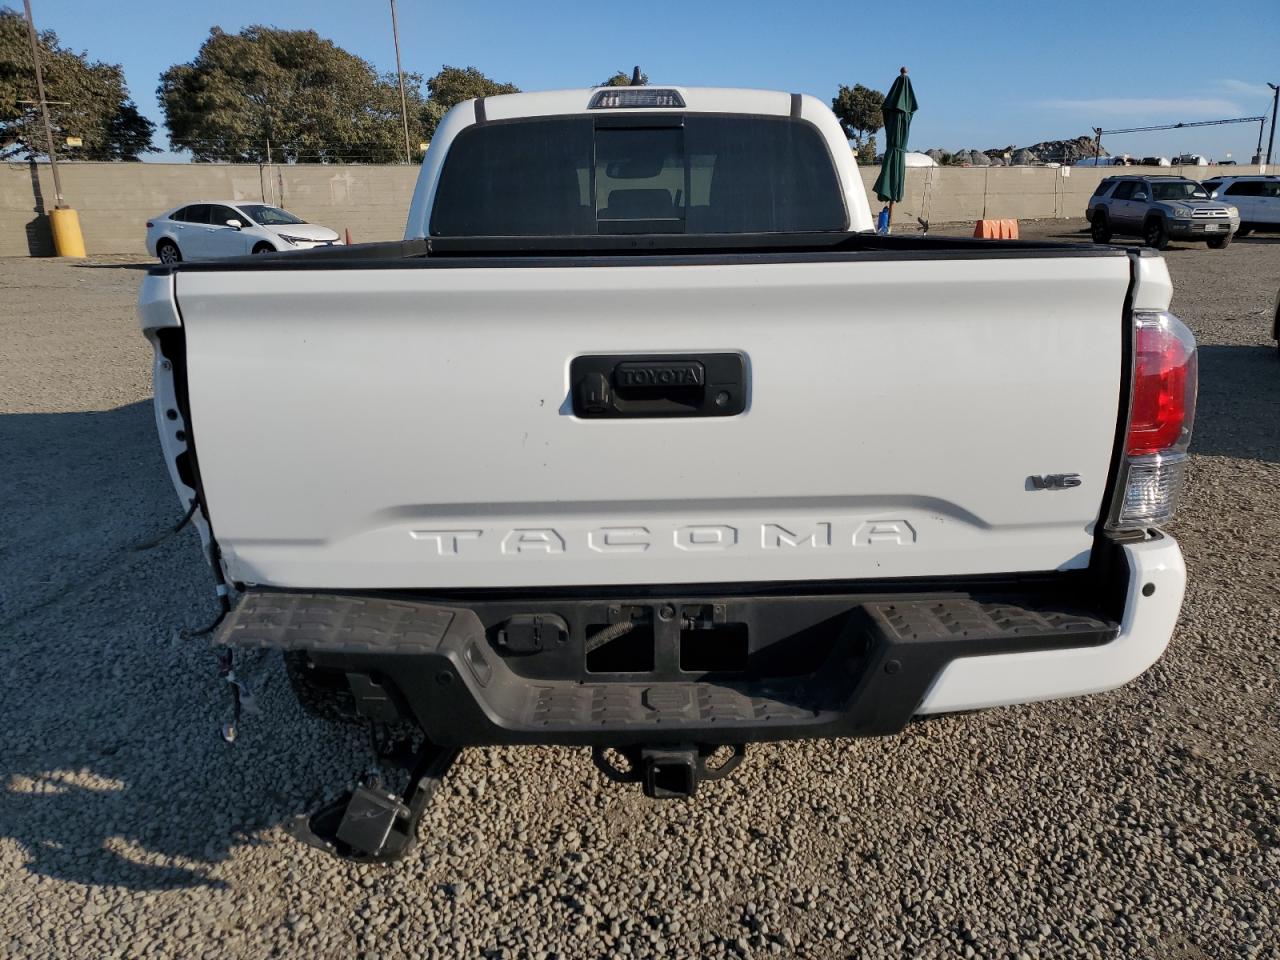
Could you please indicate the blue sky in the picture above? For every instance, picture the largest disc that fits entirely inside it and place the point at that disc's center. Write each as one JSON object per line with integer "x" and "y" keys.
{"x": 986, "y": 74}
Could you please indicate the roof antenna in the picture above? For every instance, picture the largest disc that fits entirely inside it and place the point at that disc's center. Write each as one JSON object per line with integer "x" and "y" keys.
{"x": 635, "y": 77}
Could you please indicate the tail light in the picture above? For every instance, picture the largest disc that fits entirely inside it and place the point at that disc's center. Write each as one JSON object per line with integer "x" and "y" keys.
{"x": 1162, "y": 408}
{"x": 150, "y": 224}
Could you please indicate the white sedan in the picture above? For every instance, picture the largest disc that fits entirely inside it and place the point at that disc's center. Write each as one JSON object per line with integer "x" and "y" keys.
{"x": 203, "y": 231}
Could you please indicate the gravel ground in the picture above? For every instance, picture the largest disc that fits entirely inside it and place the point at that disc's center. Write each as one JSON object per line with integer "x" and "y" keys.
{"x": 1144, "y": 822}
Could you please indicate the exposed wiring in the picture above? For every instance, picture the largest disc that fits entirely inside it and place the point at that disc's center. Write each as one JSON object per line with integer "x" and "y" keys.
{"x": 611, "y": 632}
{"x": 188, "y": 634}
{"x": 156, "y": 541}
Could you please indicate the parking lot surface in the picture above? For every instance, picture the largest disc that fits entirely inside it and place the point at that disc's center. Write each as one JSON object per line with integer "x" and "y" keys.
{"x": 1143, "y": 822}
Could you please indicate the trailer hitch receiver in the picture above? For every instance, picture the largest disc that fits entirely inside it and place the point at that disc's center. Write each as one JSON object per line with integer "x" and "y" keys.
{"x": 668, "y": 772}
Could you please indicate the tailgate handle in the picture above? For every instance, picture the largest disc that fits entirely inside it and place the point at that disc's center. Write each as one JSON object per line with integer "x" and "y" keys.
{"x": 630, "y": 386}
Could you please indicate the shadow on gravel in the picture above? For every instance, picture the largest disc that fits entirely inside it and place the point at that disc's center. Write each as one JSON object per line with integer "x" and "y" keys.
{"x": 1239, "y": 404}
{"x": 111, "y": 768}
{"x": 75, "y": 489}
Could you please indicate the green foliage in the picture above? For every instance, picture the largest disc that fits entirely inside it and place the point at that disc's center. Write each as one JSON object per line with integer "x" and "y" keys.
{"x": 623, "y": 79}
{"x": 451, "y": 86}
{"x": 858, "y": 110}
{"x": 866, "y": 152}
{"x": 93, "y": 101}
{"x": 312, "y": 100}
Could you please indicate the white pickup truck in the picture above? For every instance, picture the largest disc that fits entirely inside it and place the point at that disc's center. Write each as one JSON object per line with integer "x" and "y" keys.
{"x": 643, "y": 440}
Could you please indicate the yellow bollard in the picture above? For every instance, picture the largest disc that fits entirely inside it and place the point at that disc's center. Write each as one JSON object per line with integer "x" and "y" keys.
{"x": 67, "y": 239}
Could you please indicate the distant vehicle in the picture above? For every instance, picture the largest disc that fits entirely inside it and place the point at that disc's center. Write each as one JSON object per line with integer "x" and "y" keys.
{"x": 1159, "y": 209}
{"x": 1225, "y": 163}
{"x": 1190, "y": 160}
{"x": 1154, "y": 162}
{"x": 913, "y": 159}
{"x": 211, "y": 229}
{"x": 1124, "y": 160}
{"x": 1257, "y": 198}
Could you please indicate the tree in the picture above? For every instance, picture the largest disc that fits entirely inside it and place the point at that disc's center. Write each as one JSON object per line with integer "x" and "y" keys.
{"x": 623, "y": 79}
{"x": 866, "y": 152}
{"x": 90, "y": 101}
{"x": 308, "y": 98}
{"x": 451, "y": 86}
{"x": 858, "y": 110}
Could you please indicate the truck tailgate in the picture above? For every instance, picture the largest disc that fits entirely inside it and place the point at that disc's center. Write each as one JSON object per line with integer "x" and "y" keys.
{"x": 413, "y": 427}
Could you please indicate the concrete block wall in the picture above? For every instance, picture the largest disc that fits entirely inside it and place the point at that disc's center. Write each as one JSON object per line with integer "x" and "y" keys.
{"x": 114, "y": 200}
{"x": 958, "y": 194}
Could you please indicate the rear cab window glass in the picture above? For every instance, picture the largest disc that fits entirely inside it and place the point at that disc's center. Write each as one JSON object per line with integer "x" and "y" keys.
{"x": 1124, "y": 191}
{"x": 1103, "y": 187}
{"x": 690, "y": 173}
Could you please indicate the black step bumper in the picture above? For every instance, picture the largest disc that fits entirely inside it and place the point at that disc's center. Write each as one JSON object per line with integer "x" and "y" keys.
{"x": 699, "y": 669}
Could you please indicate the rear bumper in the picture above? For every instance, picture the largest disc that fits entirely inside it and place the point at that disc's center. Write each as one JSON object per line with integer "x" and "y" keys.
{"x": 1156, "y": 581}
{"x": 727, "y": 668}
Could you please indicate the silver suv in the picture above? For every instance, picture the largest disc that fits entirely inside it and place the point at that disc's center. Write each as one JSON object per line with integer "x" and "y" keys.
{"x": 1159, "y": 209}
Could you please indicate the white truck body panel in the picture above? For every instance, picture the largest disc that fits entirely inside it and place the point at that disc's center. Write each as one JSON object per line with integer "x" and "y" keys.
{"x": 409, "y": 425}
{"x": 897, "y": 409}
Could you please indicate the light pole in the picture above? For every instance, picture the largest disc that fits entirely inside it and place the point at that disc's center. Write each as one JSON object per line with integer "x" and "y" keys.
{"x": 44, "y": 107}
{"x": 64, "y": 223}
{"x": 404, "y": 108}
{"x": 1275, "y": 101}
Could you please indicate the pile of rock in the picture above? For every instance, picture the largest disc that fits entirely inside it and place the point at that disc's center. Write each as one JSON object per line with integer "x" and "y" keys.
{"x": 1047, "y": 151}
{"x": 961, "y": 158}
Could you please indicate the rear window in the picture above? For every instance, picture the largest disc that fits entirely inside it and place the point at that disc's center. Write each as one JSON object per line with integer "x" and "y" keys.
{"x": 1103, "y": 187}
{"x": 580, "y": 176}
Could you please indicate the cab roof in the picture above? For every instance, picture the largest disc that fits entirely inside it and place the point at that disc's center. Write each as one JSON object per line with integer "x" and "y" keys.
{"x": 511, "y": 106}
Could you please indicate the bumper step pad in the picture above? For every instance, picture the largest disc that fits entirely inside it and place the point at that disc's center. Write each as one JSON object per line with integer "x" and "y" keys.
{"x": 336, "y": 624}
{"x": 612, "y": 704}
{"x": 462, "y": 692}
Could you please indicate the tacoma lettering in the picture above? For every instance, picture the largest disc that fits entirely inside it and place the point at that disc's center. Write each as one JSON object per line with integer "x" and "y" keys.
{"x": 791, "y": 537}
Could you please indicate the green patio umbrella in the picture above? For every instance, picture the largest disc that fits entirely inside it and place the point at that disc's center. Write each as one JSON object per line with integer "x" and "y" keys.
{"x": 899, "y": 106}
